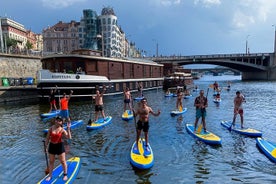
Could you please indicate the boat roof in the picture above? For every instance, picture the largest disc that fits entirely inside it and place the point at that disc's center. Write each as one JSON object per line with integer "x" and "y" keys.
{"x": 125, "y": 59}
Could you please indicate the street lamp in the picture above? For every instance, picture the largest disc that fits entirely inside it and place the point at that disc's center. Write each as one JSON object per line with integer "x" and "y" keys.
{"x": 274, "y": 38}
{"x": 246, "y": 44}
{"x": 156, "y": 47}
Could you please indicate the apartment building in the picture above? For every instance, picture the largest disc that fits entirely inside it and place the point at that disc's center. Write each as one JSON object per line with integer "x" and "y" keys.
{"x": 10, "y": 29}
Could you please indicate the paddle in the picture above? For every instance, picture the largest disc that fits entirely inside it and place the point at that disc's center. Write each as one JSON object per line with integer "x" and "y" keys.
{"x": 201, "y": 124}
{"x": 46, "y": 157}
{"x": 90, "y": 121}
{"x": 180, "y": 108}
{"x": 125, "y": 114}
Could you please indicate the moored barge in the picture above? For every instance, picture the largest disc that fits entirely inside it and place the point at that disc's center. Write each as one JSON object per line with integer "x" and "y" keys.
{"x": 84, "y": 71}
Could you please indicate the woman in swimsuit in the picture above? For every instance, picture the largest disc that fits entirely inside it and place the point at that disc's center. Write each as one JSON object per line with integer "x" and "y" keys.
{"x": 56, "y": 145}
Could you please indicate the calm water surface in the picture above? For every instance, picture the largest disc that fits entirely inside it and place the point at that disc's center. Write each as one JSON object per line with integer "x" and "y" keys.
{"x": 179, "y": 158}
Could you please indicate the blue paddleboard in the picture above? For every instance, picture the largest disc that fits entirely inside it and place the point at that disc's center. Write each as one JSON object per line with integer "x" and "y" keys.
{"x": 177, "y": 112}
{"x": 73, "y": 167}
{"x": 50, "y": 114}
{"x": 244, "y": 131}
{"x": 74, "y": 124}
{"x": 127, "y": 115}
{"x": 268, "y": 148}
{"x": 206, "y": 137}
{"x": 140, "y": 157}
{"x": 100, "y": 123}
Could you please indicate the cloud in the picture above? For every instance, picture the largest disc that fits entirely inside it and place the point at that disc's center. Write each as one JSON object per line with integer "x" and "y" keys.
{"x": 207, "y": 3}
{"x": 57, "y": 4}
{"x": 250, "y": 12}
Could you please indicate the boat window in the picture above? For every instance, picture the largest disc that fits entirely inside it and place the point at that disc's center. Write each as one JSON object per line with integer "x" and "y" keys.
{"x": 117, "y": 87}
{"x": 67, "y": 66}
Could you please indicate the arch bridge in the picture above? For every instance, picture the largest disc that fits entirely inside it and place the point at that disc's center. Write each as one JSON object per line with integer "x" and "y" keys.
{"x": 256, "y": 66}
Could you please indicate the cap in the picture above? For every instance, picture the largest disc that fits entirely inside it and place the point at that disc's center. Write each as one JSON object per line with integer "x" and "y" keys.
{"x": 59, "y": 118}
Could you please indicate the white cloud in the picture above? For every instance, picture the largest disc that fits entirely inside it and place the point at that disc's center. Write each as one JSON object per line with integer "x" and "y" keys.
{"x": 165, "y": 2}
{"x": 60, "y": 3}
{"x": 250, "y": 12}
{"x": 207, "y": 3}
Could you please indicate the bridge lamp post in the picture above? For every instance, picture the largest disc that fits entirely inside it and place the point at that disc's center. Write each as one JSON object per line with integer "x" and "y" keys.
{"x": 274, "y": 38}
{"x": 156, "y": 47}
{"x": 246, "y": 44}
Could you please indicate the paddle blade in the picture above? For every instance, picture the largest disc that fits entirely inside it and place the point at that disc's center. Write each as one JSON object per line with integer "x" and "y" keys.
{"x": 180, "y": 109}
{"x": 199, "y": 129}
{"x": 47, "y": 171}
{"x": 89, "y": 122}
{"x": 125, "y": 114}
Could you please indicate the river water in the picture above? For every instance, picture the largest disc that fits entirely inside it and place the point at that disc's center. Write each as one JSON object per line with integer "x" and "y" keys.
{"x": 179, "y": 158}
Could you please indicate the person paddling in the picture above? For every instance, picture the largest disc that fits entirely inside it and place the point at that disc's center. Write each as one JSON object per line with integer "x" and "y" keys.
{"x": 179, "y": 105}
{"x": 127, "y": 99}
{"x": 55, "y": 145}
{"x": 201, "y": 102}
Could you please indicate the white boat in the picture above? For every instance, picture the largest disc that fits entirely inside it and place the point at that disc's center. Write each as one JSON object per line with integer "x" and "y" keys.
{"x": 96, "y": 72}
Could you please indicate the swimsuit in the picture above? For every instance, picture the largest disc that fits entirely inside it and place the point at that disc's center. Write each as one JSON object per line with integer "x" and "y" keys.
{"x": 143, "y": 125}
{"x": 56, "y": 146}
{"x": 98, "y": 108}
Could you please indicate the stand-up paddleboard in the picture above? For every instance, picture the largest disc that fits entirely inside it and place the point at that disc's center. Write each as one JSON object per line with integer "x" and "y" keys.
{"x": 138, "y": 98}
{"x": 50, "y": 114}
{"x": 187, "y": 96}
{"x": 169, "y": 95}
{"x": 244, "y": 131}
{"x": 127, "y": 115}
{"x": 73, "y": 167}
{"x": 206, "y": 137}
{"x": 100, "y": 123}
{"x": 177, "y": 112}
{"x": 268, "y": 147}
{"x": 217, "y": 100}
{"x": 140, "y": 157}
{"x": 74, "y": 124}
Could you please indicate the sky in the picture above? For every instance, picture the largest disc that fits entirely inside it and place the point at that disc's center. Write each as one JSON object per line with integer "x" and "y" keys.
{"x": 175, "y": 27}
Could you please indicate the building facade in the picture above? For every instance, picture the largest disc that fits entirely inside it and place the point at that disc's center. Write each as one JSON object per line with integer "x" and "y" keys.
{"x": 93, "y": 32}
{"x": 12, "y": 30}
{"x": 61, "y": 38}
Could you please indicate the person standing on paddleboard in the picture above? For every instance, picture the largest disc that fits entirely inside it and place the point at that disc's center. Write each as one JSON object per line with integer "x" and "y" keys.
{"x": 64, "y": 113}
{"x": 179, "y": 105}
{"x": 99, "y": 103}
{"x": 238, "y": 109}
{"x": 56, "y": 145}
{"x": 140, "y": 89}
{"x": 201, "y": 102}
{"x": 127, "y": 99}
{"x": 52, "y": 99}
{"x": 143, "y": 112}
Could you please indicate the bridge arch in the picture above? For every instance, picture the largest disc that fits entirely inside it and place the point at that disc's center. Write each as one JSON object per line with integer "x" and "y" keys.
{"x": 253, "y": 66}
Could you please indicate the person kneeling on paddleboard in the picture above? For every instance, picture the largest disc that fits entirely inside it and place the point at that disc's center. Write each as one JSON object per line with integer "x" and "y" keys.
{"x": 56, "y": 145}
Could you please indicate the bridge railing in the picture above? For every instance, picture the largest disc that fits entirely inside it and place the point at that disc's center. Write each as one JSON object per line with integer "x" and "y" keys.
{"x": 212, "y": 56}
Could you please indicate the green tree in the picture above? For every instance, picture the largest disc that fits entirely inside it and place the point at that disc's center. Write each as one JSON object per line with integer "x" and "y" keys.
{"x": 29, "y": 45}
{"x": 11, "y": 43}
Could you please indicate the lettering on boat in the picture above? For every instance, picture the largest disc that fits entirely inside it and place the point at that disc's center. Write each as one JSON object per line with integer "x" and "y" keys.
{"x": 61, "y": 76}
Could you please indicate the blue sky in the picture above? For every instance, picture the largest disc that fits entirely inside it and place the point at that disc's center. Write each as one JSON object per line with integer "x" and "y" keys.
{"x": 180, "y": 27}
